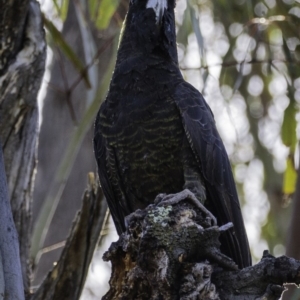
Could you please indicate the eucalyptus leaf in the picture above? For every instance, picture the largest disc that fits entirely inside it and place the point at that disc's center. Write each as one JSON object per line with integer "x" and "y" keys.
{"x": 106, "y": 10}
{"x": 289, "y": 178}
{"x": 66, "y": 49}
{"x": 57, "y": 8}
{"x": 185, "y": 29}
{"x": 61, "y": 8}
{"x": 64, "y": 9}
{"x": 93, "y": 8}
{"x": 67, "y": 161}
{"x": 89, "y": 48}
{"x": 288, "y": 130}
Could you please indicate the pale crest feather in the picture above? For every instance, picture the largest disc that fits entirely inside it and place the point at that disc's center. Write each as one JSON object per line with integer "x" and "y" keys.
{"x": 158, "y": 6}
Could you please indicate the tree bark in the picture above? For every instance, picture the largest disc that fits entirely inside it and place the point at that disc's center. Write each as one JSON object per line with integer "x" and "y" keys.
{"x": 22, "y": 62}
{"x": 171, "y": 251}
{"x": 67, "y": 278}
{"x": 11, "y": 282}
{"x": 63, "y": 110}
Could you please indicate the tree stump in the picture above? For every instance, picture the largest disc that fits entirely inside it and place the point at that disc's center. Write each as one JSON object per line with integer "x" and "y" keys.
{"x": 171, "y": 250}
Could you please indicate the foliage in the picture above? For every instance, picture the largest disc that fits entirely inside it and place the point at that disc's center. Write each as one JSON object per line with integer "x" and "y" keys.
{"x": 257, "y": 47}
{"x": 244, "y": 56}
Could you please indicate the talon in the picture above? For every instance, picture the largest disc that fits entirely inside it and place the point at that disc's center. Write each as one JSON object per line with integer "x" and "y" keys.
{"x": 222, "y": 260}
{"x": 159, "y": 198}
{"x": 187, "y": 194}
{"x": 138, "y": 214}
{"x": 226, "y": 226}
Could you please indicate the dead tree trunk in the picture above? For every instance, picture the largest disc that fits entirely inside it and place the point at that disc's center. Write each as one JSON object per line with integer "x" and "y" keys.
{"x": 171, "y": 251}
{"x": 22, "y": 60}
{"x": 11, "y": 282}
{"x": 63, "y": 109}
{"x": 66, "y": 279}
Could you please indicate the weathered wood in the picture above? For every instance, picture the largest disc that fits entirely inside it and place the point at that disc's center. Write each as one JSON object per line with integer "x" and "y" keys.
{"x": 171, "y": 251}
{"x": 13, "y": 16}
{"x": 22, "y": 62}
{"x": 65, "y": 105}
{"x": 265, "y": 280}
{"x": 67, "y": 278}
{"x": 11, "y": 282}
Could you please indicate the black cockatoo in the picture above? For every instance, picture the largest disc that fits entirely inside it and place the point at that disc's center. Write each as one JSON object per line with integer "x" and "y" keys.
{"x": 156, "y": 134}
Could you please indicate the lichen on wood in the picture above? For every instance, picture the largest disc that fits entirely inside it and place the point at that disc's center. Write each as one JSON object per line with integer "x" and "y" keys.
{"x": 171, "y": 250}
{"x": 162, "y": 242}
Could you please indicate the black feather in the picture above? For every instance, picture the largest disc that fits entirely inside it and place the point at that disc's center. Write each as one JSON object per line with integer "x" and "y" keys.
{"x": 153, "y": 126}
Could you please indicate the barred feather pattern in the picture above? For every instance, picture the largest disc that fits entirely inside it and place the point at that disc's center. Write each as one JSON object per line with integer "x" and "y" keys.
{"x": 156, "y": 134}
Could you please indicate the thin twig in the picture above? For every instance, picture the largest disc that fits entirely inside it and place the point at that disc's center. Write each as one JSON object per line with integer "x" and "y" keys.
{"x": 235, "y": 63}
{"x": 89, "y": 65}
{"x": 68, "y": 92}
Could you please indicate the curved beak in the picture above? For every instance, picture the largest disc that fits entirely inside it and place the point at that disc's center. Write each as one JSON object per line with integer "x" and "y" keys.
{"x": 159, "y": 7}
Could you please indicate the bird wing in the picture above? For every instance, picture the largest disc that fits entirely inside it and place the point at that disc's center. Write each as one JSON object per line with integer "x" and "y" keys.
{"x": 100, "y": 149}
{"x": 210, "y": 153}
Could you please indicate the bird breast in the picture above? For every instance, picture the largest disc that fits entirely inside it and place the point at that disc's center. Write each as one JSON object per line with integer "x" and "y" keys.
{"x": 146, "y": 134}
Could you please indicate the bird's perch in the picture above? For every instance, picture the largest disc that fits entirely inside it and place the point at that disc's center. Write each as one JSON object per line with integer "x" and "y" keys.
{"x": 171, "y": 251}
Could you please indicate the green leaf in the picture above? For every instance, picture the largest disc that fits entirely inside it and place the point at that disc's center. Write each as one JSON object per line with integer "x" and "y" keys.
{"x": 64, "y": 9}
{"x": 56, "y": 6}
{"x": 66, "y": 49}
{"x": 67, "y": 162}
{"x": 289, "y": 138}
{"x": 93, "y": 8}
{"x": 89, "y": 48}
{"x": 289, "y": 177}
{"x": 288, "y": 130}
{"x": 185, "y": 29}
{"x": 106, "y": 10}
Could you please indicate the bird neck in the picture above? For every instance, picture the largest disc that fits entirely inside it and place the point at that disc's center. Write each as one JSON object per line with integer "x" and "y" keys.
{"x": 145, "y": 38}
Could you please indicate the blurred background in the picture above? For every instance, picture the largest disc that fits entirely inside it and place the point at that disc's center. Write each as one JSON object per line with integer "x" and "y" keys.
{"x": 243, "y": 56}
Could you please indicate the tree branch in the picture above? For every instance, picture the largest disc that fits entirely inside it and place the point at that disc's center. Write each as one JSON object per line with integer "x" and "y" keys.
{"x": 67, "y": 278}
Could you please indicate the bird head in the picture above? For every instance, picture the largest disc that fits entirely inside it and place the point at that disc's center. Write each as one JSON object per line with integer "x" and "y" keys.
{"x": 158, "y": 7}
{"x": 149, "y": 29}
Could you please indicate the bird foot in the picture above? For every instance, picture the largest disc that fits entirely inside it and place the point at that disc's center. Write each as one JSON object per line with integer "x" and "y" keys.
{"x": 207, "y": 236}
{"x": 210, "y": 249}
{"x": 171, "y": 199}
{"x": 136, "y": 215}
